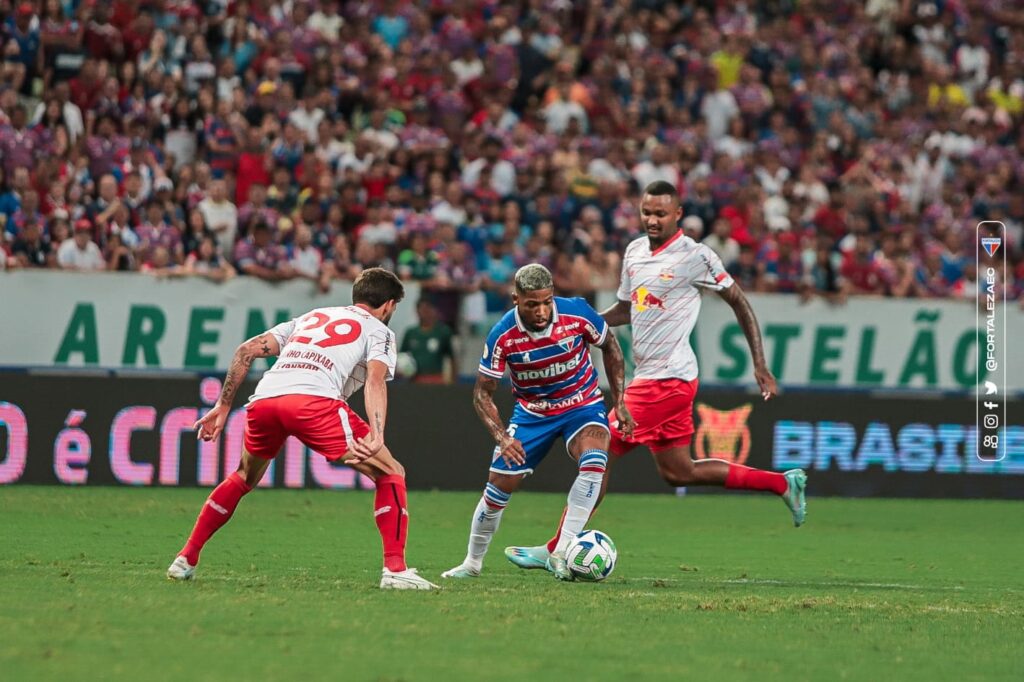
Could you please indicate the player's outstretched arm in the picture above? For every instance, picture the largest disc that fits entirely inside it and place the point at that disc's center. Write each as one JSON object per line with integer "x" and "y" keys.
{"x": 483, "y": 402}
{"x": 618, "y": 314}
{"x": 615, "y": 368}
{"x": 737, "y": 300}
{"x": 262, "y": 346}
{"x": 375, "y": 393}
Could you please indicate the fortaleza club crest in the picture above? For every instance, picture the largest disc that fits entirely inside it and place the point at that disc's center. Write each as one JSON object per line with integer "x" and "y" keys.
{"x": 723, "y": 434}
{"x": 991, "y": 245}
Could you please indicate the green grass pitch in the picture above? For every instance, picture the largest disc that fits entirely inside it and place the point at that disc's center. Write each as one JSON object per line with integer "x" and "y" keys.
{"x": 713, "y": 588}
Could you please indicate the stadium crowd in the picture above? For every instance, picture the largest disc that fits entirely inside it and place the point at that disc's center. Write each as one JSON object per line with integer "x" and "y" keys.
{"x": 824, "y": 147}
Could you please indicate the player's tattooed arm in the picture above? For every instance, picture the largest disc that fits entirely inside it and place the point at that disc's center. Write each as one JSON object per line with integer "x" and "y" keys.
{"x": 618, "y": 314}
{"x": 615, "y": 368}
{"x": 509, "y": 447}
{"x": 734, "y": 296}
{"x": 212, "y": 423}
{"x": 483, "y": 403}
{"x": 262, "y": 346}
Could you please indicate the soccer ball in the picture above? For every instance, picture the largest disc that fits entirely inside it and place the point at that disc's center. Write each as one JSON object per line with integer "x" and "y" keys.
{"x": 405, "y": 366}
{"x": 591, "y": 556}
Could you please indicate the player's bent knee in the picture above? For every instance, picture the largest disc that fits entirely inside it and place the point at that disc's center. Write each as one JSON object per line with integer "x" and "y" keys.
{"x": 505, "y": 483}
{"x": 590, "y": 437}
{"x": 382, "y": 464}
{"x": 252, "y": 468}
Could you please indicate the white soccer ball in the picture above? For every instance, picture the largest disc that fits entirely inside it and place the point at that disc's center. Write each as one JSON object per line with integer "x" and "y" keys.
{"x": 591, "y": 556}
{"x": 405, "y": 366}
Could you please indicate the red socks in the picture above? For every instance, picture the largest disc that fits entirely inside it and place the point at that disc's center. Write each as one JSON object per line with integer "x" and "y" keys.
{"x": 215, "y": 513}
{"x": 746, "y": 478}
{"x": 739, "y": 476}
{"x": 392, "y": 517}
{"x": 389, "y": 510}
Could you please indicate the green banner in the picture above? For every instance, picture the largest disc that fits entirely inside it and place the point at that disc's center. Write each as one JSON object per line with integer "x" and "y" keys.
{"x": 124, "y": 321}
{"x": 867, "y": 343}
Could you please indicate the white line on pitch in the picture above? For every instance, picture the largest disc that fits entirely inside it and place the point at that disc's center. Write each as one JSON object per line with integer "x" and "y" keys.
{"x": 795, "y": 583}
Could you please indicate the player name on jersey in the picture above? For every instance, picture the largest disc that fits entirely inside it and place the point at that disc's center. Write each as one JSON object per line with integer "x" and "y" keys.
{"x": 322, "y": 361}
{"x": 324, "y": 353}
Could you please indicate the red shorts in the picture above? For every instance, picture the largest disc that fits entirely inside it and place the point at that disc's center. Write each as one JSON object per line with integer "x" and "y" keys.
{"x": 327, "y": 426}
{"x": 663, "y": 412}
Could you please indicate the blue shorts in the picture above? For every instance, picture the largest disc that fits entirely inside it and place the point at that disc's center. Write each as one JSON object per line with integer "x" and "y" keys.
{"x": 537, "y": 433}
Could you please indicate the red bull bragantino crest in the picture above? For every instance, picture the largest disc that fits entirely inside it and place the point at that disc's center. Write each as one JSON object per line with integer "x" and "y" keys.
{"x": 642, "y": 299}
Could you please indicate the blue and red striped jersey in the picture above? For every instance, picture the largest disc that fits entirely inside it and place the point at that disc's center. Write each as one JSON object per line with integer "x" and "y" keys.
{"x": 551, "y": 371}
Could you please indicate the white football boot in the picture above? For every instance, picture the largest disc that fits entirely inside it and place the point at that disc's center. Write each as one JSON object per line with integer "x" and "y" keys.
{"x": 408, "y": 579}
{"x": 180, "y": 569}
{"x": 463, "y": 570}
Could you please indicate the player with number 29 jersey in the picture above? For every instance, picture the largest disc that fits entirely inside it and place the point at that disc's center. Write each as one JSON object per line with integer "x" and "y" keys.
{"x": 324, "y": 353}
{"x": 324, "y": 357}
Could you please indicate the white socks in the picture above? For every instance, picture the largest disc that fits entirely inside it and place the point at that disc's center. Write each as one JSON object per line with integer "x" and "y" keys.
{"x": 583, "y": 496}
{"x": 486, "y": 518}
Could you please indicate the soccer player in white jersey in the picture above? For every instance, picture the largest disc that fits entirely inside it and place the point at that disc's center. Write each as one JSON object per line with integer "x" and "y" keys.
{"x": 544, "y": 343}
{"x": 663, "y": 274}
{"x": 325, "y": 356}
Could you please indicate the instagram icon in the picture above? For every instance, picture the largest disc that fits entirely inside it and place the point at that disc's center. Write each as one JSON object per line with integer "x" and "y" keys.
{"x": 991, "y": 396}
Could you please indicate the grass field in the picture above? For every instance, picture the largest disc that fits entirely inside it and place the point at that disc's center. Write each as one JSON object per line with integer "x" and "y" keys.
{"x": 716, "y": 588}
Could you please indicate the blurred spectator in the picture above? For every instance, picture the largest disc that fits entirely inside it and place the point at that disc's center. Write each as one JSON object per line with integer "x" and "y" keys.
{"x": 30, "y": 249}
{"x": 25, "y": 42}
{"x": 783, "y": 268}
{"x": 657, "y": 167}
{"x": 259, "y": 256}
{"x": 502, "y": 173}
{"x": 19, "y": 145}
{"x": 307, "y": 261}
{"x": 822, "y": 275}
{"x": 860, "y": 271}
{"x": 339, "y": 263}
{"x": 154, "y": 232}
{"x": 746, "y": 270}
{"x": 430, "y": 344}
{"x": 205, "y": 261}
{"x": 498, "y": 266}
{"x": 418, "y": 262}
{"x": 456, "y": 276}
{"x": 119, "y": 256}
{"x": 81, "y": 252}
{"x": 721, "y": 242}
{"x": 221, "y": 217}
{"x": 394, "y": 132}
{"x": 562, "y": 111}
{"x": 693, "y": 227}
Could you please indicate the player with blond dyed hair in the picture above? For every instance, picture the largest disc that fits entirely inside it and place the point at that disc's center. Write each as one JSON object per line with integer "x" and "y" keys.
{"x": 663, "y": 274}
{"x": 544, "y": 344}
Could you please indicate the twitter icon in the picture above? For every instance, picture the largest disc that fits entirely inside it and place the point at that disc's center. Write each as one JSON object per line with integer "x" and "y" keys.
{"x": 990, "y": 388}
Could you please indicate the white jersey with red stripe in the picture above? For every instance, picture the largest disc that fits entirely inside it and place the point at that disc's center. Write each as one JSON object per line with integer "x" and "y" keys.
{"x": 325, "y": 353}
{"x": 663, "y": 289}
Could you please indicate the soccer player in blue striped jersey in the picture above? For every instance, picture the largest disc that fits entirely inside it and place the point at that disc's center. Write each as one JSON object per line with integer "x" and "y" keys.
{"x": 544, "y": 343}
